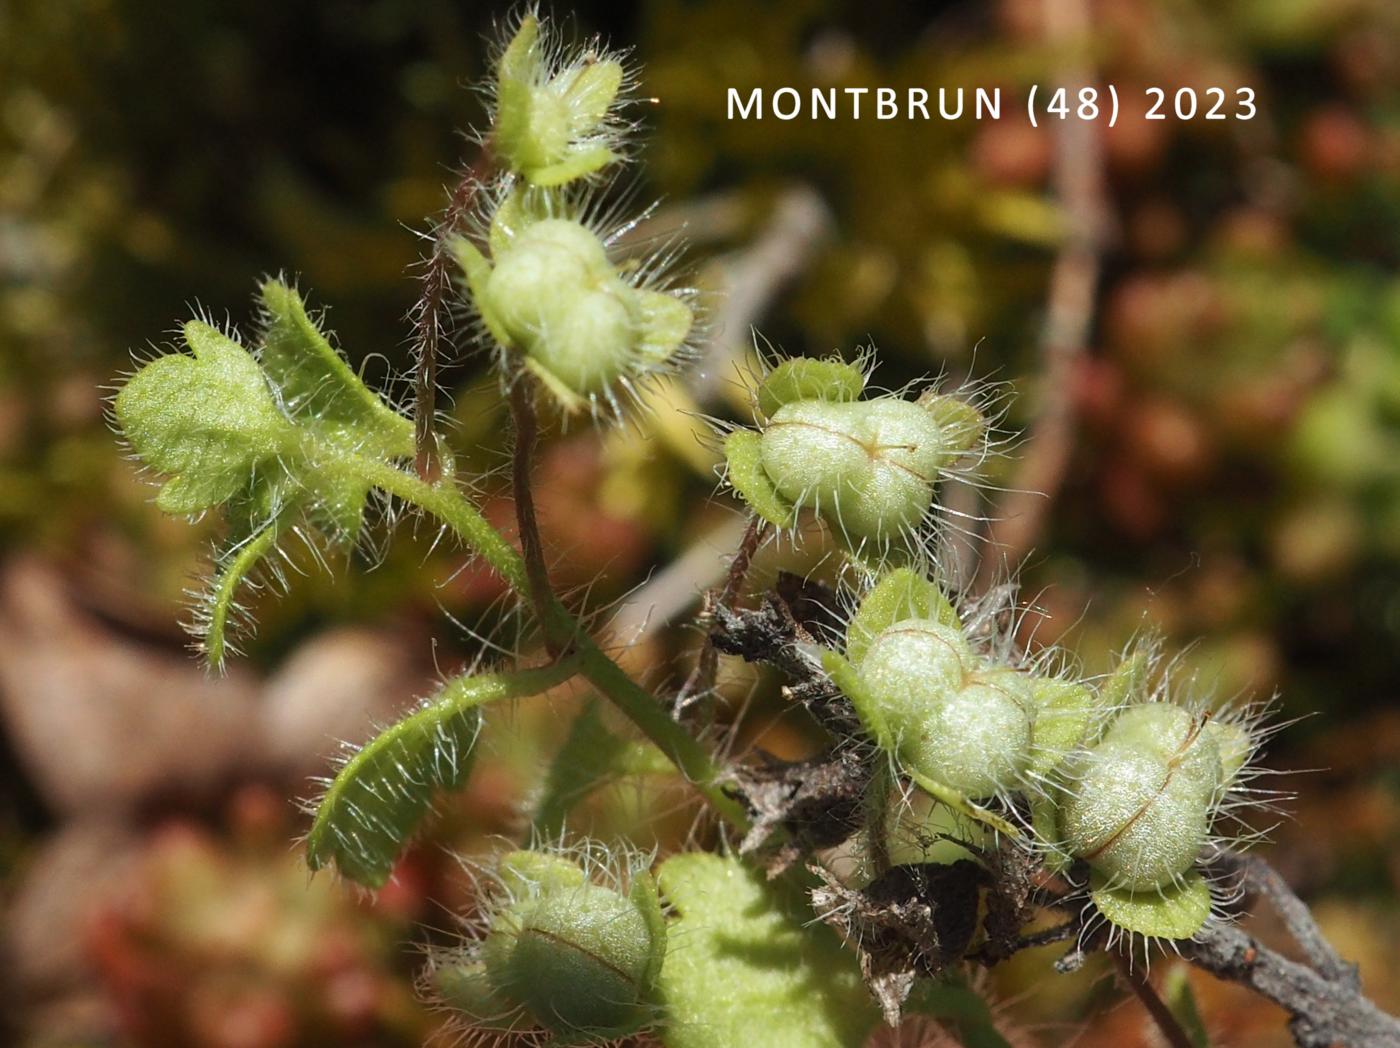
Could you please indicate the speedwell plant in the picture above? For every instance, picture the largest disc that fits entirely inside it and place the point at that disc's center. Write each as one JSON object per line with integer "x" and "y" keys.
{"x": 1107, "y": 799}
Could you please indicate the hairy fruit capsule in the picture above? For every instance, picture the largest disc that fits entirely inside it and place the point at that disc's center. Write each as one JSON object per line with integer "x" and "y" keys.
{"x": 867, "y": 467}
{"x": 949, "y": 718}
{"x": 1143, "y": 798}
{"x": 561, "y": 952}
{"x": 552, "y": 294}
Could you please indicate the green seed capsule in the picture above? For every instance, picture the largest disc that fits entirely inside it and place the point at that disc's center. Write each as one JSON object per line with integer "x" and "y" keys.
{"x": 867, "y": 467}
{"x": 967, "y": 728}
{"x": 1144, "y": 797}
{"x": 566, "y": 954}
{"x": 552, "y": 294}
{"x": 557, "y": 297}
{"x": 912, "y": 663}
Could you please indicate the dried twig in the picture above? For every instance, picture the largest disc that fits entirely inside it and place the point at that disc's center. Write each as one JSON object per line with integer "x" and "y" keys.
{"x": 1325, "y": 1013}
{"x": 770, "y": 635}
{"x": 701, "y": 681}
{"x": 1078, "y": 181}
{"x": 1323, "y": 996}
{"x": 1296, "y": 916}
{"x": 800, "y": 221}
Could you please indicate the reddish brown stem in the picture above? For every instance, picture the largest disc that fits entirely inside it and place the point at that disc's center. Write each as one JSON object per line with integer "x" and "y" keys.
{"x": 1138, "y": 982}
{"x": 522, "y": 410}
{"x": 431, "y": 317}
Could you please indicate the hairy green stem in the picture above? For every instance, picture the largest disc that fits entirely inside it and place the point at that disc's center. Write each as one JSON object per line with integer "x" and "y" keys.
{"x": 233, "y": 573}
{"x": 444, "y": 501}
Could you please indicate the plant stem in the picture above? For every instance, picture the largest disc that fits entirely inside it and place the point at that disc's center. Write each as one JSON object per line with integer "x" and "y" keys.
{"x": 444, "y": 501}
{"x": 431, "y": 319}
{"x": 702, "y": 679}
{"x": 522, "y": 411}
{"x": 1138, "y": 982}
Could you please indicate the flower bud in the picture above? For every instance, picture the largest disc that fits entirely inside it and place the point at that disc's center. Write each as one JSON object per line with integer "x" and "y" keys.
{"x": 553, "y": 119}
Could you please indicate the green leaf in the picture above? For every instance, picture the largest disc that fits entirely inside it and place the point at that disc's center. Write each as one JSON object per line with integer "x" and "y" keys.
{"x": 1176, "y": 911}
{"x": 1065, "y": 713}
{"x": 516, "y": 73}
{"x": 647, "y": 898}
{"x": 477, "y": 271}
{"x": 221, "y": 608}
{"x": 1045, "y": 824}
{"x": 749, "y": 966}
{"x": 1125, "y": 682}
{"x": 374, "y": 805}
{"x": 901, "y": 594}
{"x": 317, "y": 385}
{"x": 665, "y": 321}
{"x": 806, "y": 378}
{"x": 209, "y": 421}
{"x": 590, "y": 756}
{"x": 328, "y": 401}
{"x": 465, "y": 987}
{"x": 574, "y": 166}
{"x": 846, "y": 677}
{"x": 962, "y": 425}
{"x": 1179, "y": 997}
{"x": 745, "y": 472}
{"x": 744, "y": 457}
{"x": 518, "y": 61}
{"x": 590, "y": 93}
{"x": 517, "y": 212}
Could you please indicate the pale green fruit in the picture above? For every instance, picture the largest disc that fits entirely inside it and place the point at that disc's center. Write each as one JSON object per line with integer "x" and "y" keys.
{"x": 552, "y": 293}
{"x": 976, "y": 739}
{"x": 868, "y": 467}
{"x": 911, "y": 663}
{"x": 1141, "y": 804}
{"x": 557, "y": 297}
{"x": 966, "y": 729}
{"x": 579, "y": 958}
